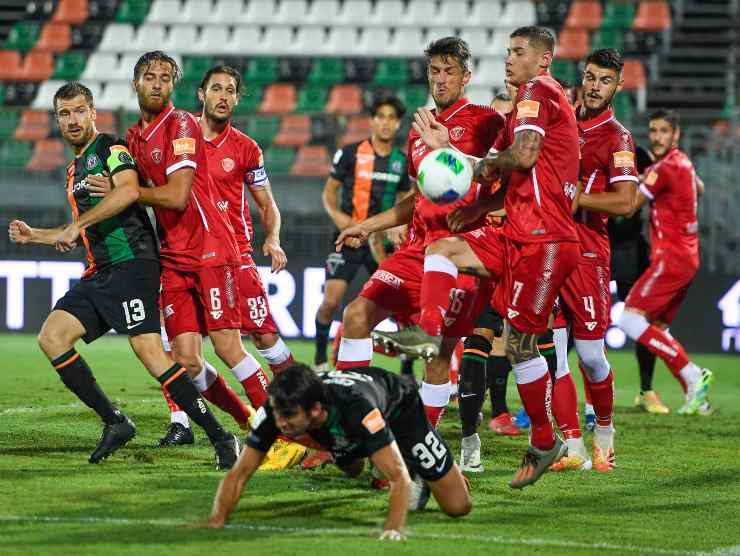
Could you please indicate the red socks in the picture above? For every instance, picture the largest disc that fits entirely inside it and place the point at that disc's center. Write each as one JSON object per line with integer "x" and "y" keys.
{"x": 565, "y": 406}
{"x": 536, "y": 400}
{"x": 435, "y": 300}
{"x": 434, "y": 414}
{"x": 222, "y": 396}
{"x": 665, "y": 347}
{"x": 586, "y": 384}
{"x": 602, "y": 394}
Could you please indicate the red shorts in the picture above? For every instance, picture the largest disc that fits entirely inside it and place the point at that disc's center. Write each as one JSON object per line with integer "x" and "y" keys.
{"x": 396, "y": 286}
{"x": 533, "y": 275}
{"x": 661, "y": 289}
{"x": 200, "y": 301}
{"x": 488, "y": 245}
{"x": 586, "y": 301}
{"x": 254, "y": 307}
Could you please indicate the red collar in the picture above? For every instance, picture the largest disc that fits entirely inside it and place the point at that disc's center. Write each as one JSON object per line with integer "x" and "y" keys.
{"x": 221, "y": 137}
{"x": 588, "y": 125}
{"x": 451, "y": 110}
{"x": 154, "y": 125}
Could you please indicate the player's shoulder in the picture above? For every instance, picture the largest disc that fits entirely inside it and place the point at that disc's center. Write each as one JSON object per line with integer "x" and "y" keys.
{"x": 108, "y": 140}
{"x": 181, "y": 120}
{"x": 347, "y": 151}
{"x": 243, "y": 139}
{"x": 541, "y": 84}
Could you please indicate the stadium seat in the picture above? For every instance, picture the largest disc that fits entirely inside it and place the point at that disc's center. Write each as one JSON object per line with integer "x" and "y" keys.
{"x": 436, "y": 33}
{"x": 652, "y": 16}
{"x": 87, "y": 36}
{"x": 115, "y": 37}
{"x": 485, "y": 12}
{"x": 311, "y": 99}
{"x": 499, "y": 42}
{"x": 358, "y": 129}
{"x": 407, "y": 42}
{"x": 516, "y": 13}
{"x": 72, "y": 12}
{"x": 573, "y": 44}
{"x": 54, "y": 37}
{"x": 308, "y": 41}
{"x": 186, "y": 96}
{"x": 101, "y": 66}
{"x": 32, "y": 126}
{"x": 250, "y": 100}
{"x": 44, "y": 97}
{"x": 226, "y": 12}
{"x": 623, "y": 106}
{"x": 479, "y": 40}
{"x": 322, "y": 11}
{"x": 607, "y": 38}
{"x": 634, "y": 75}
{"x": 479, "y": 95}
{"x": 490, "y": 72}
{"x": 564, "y": 69}
{"x": 326, "y": 71}
{"x": 37, "y": 66}
{"x": 278, "y": 160}
{"x": 276, "y": 41}
{"x": 246, "y": 40}
{"x": 22, "y": 36}
{"x": 216, "y": 39}
{"x": 48, "y": 155}
{"x": 312, "y": 160}
{"x": 195, "y": 67}
{"x": 183, "y": 39}
{"x": 105, "y": 121}
{"x": 69, "y": 65}
{"x": 261, "y": 71}
{"x": 8, "y": 123}
{"x": 618, "y": 15}
{"x": 260, "y": 13}
{"x": 392, "y": 72}
{"x": 345, "y": 99}
{"x": 419, "y": 12}
{"x": 263, "y": 129}
{"x": 279, "y": 98}
{"x": 343, "y": 41}
{"x": 387, "y": 13}
{"x": 10, "y": 65}
{"x": 164, "y": 12}
{"x": 584, "y": 14}
{"x": 15, "y": 154}
{"x": 413, "y": 97}
{"x": 357, "y": 12}
{"x": 295, "y": 131}
{"x": 132, "y": 11}
{"x": 371, "y": 38}
{"x": 150, "y": 36}
{"x": 291, "y": 12}
{"x": 115, "y": 95}
{"x": 458, "y": 14}
{"x": 20, "y": 93}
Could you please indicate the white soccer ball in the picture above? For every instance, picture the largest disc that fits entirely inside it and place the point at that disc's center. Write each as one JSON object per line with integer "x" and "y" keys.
{"x": 444, "y": 176}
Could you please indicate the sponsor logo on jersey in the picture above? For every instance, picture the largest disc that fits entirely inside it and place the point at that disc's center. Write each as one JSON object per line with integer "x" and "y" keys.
{"x": 373, "y": 421}
{"x": 227, "y": 164}
{"x": 651, "y": 178}
{"x": 156, "y": 155}
{"x": 223, "y": 205}
{"x": 379, "y": 176}
{"x": 79, "y": 186}
{"x": 388, "y": 278}
{"x": 457, "y": 132}
{"x": 527, "y": 109}
{"x": 183, "y": 145}
{"x": 590, "y": 325}
{"x": 624, "y": 159}
{"x": 92, "y": 161}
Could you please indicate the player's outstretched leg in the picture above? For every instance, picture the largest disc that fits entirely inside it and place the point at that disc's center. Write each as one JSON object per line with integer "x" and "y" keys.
{"x": 471, "y": 397}
{"x": 273, "y": 348}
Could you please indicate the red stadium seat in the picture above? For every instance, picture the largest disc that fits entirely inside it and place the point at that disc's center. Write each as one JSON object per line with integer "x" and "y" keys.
{"x": 573, "y": 44}
{"x": 10, "y": 65}
{"x": 344, "y": 99}
{"x": 634, "y": 75}
{"x": 105, "y": 121}
{"x": 33, "y": 125}
{"x": 55, "y": 37}
{"x": 652, "y": 16}
{"x": 71, "y": 11}
{"x": 37, "y": 66}
{"x": 279, "y": 98}
{"x": 295, "y": 131}
{"x": 584, "y": 14}
{"x": 358, "y": 129}
{"x": 312, "y": 160}
{"x": 48, "y": 155}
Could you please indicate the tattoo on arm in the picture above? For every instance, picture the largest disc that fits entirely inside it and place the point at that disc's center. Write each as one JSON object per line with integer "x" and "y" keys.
{"x": 522, "y": 155}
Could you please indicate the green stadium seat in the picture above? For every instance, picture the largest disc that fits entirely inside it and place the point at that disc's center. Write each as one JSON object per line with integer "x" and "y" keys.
{"x": 263, "y": 129}
{"x": 391, "y": 73}
{"x": 133, "y": 11}
{"x": 23, "y": 35}
{"x": 15, "y": 154}
{"x": 607, "y": 38}
{"x": 311, "y": 99}
{"x": 279, "y": 160}
{"x": 8, "y": 123}
{"x": 69, "y": 66}
{"x": 261, "y": 71}
{"x": 127, "y": 120}
{"x": 413, "y": 97}
{"x": 250, "y": 100}
{"x": 185, "y": 96}
{"x": 195, "y": 67}
{"x": 326, "y": 71}
{"x": 623, "y": 109}
{"x": 564, "y": 69}
{"x": 2, "y": 93}
{"x": 618, "y": 15}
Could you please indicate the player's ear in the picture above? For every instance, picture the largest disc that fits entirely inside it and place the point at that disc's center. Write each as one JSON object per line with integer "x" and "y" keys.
{"x": 201, "y": 95}
{"x": 620, "y": 85}
{"x": 546, "y": 59}
{"x": 467, "y": 76}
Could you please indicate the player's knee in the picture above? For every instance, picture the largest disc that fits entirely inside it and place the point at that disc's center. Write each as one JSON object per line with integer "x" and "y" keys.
{"x": 591, "y": 353}
{"x": 192, "y": 363}
{"x": 264, "y": 341}
{"x": 51, "y": 340}
{"x": 460, "y": 506}
{"x": 354, "y": 469}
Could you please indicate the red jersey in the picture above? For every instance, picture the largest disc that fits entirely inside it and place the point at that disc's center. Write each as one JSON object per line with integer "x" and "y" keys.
{"x": 200, "y": 235}
{"x": 235, "y": 161}
{"x": 670, "y": 184}
{"x": 607, "y": 157}
{"x": 538, "y": 201}
{"x": 473, "y": 129}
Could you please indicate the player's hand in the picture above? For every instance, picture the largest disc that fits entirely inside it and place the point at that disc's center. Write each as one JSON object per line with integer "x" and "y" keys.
{"x": 433, "y": 133}
{"x": 272, "y": 249}
{"x": 353, "y": 236}
{"x": 20, "y": 232}
{"x": 392, "y": 535}
{"x": 67, "y": 239}
{"x": 98, "y": 186}
{"x": 463, "y": 216}
{"x": 396, "y": 235}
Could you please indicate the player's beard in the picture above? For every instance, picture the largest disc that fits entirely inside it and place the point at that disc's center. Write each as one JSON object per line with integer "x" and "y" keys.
{"x": 82, "y": 139}
{"x": 213, "y": 116}
{"x": 605, "y": 103}
{"x": 152, "y": 105}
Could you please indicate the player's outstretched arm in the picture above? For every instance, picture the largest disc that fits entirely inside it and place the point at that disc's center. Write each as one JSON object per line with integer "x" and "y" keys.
{"x": 434, "y": 134}
{"x": 398, "y": 214}
{"x": 20, "y": 232}
{"x": 521, "y": 155}
{"x": 174, "y": 195}
{"x": 389, "y": 461}
{"x": 232, "y": 486}
{"x": 614, "y": 203}
{"x": 271, "y": 222}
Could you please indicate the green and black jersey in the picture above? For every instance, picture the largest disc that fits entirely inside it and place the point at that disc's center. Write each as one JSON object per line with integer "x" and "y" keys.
{"x": 370, "y": 182}
{"x": 129, "y": 234}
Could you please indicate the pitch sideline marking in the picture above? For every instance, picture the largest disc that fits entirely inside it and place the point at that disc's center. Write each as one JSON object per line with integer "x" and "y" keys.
{"x": 326, "y": 531}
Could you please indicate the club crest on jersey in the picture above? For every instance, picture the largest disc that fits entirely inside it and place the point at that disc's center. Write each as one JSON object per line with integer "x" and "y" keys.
{"x": 396, "y": 167}
{"x": 227, "y": 164}
{"x": 156, "y": 156}
{"x": 624, "y": 159}
{"x": 91, "y": 161}
{"x": 527, "y": 109}
{"x": 457, "y": 132}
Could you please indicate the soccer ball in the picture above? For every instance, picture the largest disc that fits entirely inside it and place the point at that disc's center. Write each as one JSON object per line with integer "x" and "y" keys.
{"x": 444, "y": 176}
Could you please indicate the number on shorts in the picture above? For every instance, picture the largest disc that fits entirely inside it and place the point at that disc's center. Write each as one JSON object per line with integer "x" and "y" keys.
{"x": 588, "y": 304}
{"x": 429, "y": 454}
{"x": 457, "y": 297}
{"x": 517, "y": 287}
{"x": 215, "y": 299}
{"x": 257, "y": 307}
{"x": 133, "y": 310}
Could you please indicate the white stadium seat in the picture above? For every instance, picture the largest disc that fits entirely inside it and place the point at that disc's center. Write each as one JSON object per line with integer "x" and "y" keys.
{"x": 388, "y": 13}
{"x": 479, "y": 95}
{"x": 216, "y": 39}
{"x": 343, "y": 40}
{"x": 517, "y": 14}
{"x": 309, "y": 41}
{"x": 485, "y": 12}
{"x": 115, "y": 95}
{"x": 374, "y": 41}
{"x": 197, "y": 12}
{"x": 164, "y": 11}
{"x": 420, "y": 12}
{"x": 323, "y": 11}
{"x": 182, "y": 39}
{"x": 228, "y": 12}
{"x": 357, "y": 12}
{"x": 456, "y": 13}
{"x": 489, "y": 72}
{"x": 500, "y": 41}
{"x": 115, "y": 37}
{"x": 260, "y": 12}
{"x": 436, "y": 33}
{"x": 45, "y": 95}
{"x": 291, "y": 12}
{"x": 407, "y": 41}
{"x": 245, "y": 40}
{"x": 277, "y": 41}
{"x": 479, "y": 40}
{"x": 100, "y": 66}
{"x": 148, "y": 37}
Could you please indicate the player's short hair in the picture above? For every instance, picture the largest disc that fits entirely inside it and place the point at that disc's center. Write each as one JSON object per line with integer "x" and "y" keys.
{"x": 606, "y": 58}
{"x": 390, "y": 100}
{"x": 70, "y": 90}
{"x": 670, "y": 116}
{"x": 564, "y": 84}
{"x": 536, "y": 35}
{"x": 228, "y": 70}
{"x": 149, "y": 58}
{"x": 298, "y": 386}
{"x": 450, "y": 47}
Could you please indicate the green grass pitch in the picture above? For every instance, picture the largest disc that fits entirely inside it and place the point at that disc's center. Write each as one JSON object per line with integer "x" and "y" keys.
{"x": 676, "y": 489}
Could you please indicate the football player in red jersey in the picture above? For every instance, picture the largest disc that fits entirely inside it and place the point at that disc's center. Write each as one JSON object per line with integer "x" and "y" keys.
{"x": 670, "y": 185}
{"x": 396, "y": 288}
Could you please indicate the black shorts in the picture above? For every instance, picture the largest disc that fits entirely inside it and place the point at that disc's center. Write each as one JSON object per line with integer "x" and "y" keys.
{"x": 124, "y": 297}
{"x": 491, "y": 320}
{"x": 425, "y": 452}
{"x": 345, "y": 264}
{"x": 628, "y": 261}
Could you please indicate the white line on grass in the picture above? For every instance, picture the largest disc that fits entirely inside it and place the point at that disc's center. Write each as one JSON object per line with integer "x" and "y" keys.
{"x": 367, "y": 532}
{"x": 74, "y": 405}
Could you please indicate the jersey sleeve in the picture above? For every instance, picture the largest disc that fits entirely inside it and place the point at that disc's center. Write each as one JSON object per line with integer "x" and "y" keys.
{"x": 255, "y": 174}
{"x": 654, "y": 183}
{"x": 622, "y": 160}
{"x": 115, "y": 155}
{"x": 264, "y": 431}
{"x": 492, "y": 130}
{"x": 534, "y": 105}
{"x": 341, "y": 164}
{"x": 183, "y": 139}
{"x": 367, "y": 423}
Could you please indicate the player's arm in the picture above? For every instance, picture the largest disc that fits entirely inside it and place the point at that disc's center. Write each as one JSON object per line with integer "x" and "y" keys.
{"x": 20, "y": 232}
{"x": 700, "y": 188}
{"x": 389, "y": 462}
{"x": 232, "y": 485}
{"x": 614, "y": 203}
{"x": 398, "y": 214}
{"x": 174, "y": 195}
{"x": 329, "y": 199}
{"x": 521, "y": 155}
{"x": 377, "y": 246}
{"x": 271, "y": 222}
